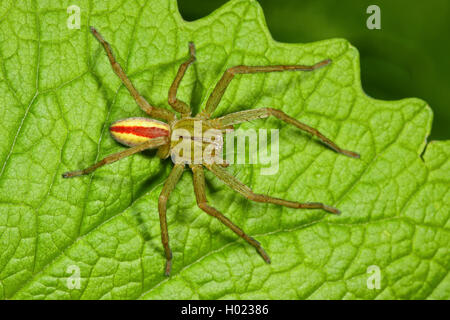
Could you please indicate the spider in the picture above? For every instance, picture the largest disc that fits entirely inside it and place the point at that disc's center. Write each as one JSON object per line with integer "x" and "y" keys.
{"x": 146, "y": 133}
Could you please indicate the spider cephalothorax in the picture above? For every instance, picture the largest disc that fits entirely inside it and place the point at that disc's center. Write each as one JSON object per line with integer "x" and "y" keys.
{"x": 199, "y": 134}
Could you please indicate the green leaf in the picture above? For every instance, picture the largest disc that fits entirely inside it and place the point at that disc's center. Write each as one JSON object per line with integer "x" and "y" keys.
{"x": 58, "y": 95}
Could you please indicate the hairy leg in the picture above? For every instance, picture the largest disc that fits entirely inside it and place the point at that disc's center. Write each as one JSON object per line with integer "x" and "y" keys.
{"x": 152, "y": 111}
{"x": 153, "y": 143}
{"x": 248, "y": 115}
{"x": 238, "y": 186}
{"x": 229, "y": 74}
{"x": 168, "y": 187}
{"x": 178, "y": 105}
{"x": 199, "y": 188}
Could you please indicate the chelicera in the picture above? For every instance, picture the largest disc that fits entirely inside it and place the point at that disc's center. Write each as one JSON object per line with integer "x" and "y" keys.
{"x": 146, "y": 133}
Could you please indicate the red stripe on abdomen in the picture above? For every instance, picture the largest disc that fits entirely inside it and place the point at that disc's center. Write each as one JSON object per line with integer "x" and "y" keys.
{"x": 148, "y": 132}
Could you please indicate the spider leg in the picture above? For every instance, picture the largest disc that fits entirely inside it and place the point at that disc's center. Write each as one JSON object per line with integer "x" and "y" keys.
{"x": 199, "y": 188}
{"x": 152, "y": 111}
{"x": 224, "y": 164}
{"x": 229, "y": 74}
{"x": 248, "y": 115}
{"x": 168, "y": 187}
{"x": 153, "y": 143}
{"x": 178, "y": 105}
{"x": 238, "y": 186}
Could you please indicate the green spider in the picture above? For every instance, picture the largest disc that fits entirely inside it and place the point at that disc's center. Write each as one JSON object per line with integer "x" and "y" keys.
{"x": 145, "y": 133}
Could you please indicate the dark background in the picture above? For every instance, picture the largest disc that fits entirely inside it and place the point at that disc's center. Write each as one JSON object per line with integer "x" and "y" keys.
{"x": 408, "y": 57}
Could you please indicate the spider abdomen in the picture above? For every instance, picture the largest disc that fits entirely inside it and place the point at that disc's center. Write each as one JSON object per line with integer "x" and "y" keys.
{"x": 137, "y": 130}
